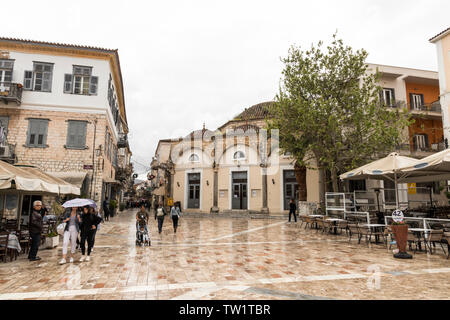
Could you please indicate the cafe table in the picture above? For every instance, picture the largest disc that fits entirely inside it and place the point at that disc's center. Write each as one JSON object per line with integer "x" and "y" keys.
{"x": 420, "y": 233}
{"x": 335, "y": 221}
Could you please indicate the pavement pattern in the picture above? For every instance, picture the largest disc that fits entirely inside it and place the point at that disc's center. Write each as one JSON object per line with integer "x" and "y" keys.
{"x": 226, "y": 258}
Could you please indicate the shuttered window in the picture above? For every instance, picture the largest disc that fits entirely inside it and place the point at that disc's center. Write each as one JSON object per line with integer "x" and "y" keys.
{"x": 76, "y": 134}
{"x": 68, "y": 83}
{"x": 81, "y": 81}
{"x": 43, "y": 73}
{"x": 28, "y": 80}
{"x": 37, "y": 132}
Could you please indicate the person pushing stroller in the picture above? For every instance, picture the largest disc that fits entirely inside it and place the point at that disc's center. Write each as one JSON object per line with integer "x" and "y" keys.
{"x": 142, "y": 217}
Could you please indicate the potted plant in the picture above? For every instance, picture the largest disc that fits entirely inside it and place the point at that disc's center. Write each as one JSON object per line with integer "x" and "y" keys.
{"x": 400, "y": 230}
{"x": 122, "y": 206}
{"x": 112, "y": 207}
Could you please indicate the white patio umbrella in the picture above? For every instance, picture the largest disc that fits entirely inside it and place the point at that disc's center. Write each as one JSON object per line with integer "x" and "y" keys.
{"x": 78, "y": 202}
{"x": 388, "y": 167}
{"x": 432, "y": 168}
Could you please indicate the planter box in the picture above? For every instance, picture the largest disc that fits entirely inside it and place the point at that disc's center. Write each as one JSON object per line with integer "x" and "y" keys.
{"x": 401, "y": 237}
{"x": 52, "y": 242}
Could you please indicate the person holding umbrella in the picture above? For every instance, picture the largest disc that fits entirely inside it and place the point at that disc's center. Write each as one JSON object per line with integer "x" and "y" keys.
{"x": 72, "y": 220}
{"x": 89, "y": 224}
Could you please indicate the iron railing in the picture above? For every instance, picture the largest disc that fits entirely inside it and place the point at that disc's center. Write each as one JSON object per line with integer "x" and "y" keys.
{"x": 11, "y": 92}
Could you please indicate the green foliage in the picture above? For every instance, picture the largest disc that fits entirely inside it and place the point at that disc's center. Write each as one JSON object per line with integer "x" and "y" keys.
{"x": 113, "y": 204}
{"x": 57, "y": 209}
{"x": 328, "y": 108}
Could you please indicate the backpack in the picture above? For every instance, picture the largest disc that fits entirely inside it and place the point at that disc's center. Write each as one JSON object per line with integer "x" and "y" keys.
{"x": 159, "y": 212}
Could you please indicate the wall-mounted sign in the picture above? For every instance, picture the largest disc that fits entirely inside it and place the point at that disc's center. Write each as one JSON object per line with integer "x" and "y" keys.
{"x": 88, "y": 167}
{"x": 412, "y": 188}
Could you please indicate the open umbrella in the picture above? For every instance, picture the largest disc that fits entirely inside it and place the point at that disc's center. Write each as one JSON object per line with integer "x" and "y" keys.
{"x": 389, "y": 167}
{"x": 78, "y": 202}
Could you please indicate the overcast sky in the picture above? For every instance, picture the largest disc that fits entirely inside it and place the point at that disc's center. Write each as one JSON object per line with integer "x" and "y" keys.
{"x": 189, "y": 62}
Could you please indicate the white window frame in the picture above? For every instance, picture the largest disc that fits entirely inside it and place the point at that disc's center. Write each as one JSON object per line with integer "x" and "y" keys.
{"x": 416, "y": 101}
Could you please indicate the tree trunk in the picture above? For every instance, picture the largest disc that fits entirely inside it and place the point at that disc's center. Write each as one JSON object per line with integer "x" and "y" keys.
{"x": 300, "y": 176}
{"x": 334, "y": 179}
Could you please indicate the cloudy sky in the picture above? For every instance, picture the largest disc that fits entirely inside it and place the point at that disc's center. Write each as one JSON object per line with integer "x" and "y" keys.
{"x": 186, "y": 63}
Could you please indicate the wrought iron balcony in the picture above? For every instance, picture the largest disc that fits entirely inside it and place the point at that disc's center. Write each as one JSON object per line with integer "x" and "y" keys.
{"x": 7, "y": 152}
{"x": 11, "y": 92}
{"x": 123, "y": 141}
{"x": 431, "y": 107}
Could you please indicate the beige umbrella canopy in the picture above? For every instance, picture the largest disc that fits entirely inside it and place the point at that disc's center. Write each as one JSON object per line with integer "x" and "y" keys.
{"x": 432, "y": 168}
{"x": 388, "y": 167}
{"x": 28, "y": 178}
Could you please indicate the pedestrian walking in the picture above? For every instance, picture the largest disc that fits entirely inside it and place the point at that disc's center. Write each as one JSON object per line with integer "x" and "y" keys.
{"x": 89, "y": 223}
{"x": 105, "y": 206}
{"x": 92, "y": 210}
{"x": 292, "y": 209}
{"x": 159, "y": 214}
{"x": 35, "y": 228}
{"x": 175, "y": 215}
{"x": 72, "y": 220}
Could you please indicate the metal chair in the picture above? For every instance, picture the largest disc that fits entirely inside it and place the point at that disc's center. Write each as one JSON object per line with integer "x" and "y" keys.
{"x": 24, "y": 240}
{"x": 433, "y": 237}
{"x": 4, "y": 236}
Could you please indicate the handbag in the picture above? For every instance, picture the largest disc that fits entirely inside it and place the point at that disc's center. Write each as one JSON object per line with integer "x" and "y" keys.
{"x": 60, "y": 228}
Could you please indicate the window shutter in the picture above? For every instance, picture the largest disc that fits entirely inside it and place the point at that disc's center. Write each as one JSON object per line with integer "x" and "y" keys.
{"x": 81, "y": 135}
{"x": 67, "y": 83}
{"x": 31, "y": 132}
{"x": 28, "y": 80}
{"x": 71, "y": 134}
{"x": 411, "y": 102}
{"x": 93, "y": 83}
{"x": 42, "y": 134}
{"x": 426, "y": 140}
{"x": 393, "y": 102}
{"x": 422, "y": 100}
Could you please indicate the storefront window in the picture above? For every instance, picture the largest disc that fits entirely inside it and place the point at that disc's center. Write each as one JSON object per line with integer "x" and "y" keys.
{"x": 11, "y": 204}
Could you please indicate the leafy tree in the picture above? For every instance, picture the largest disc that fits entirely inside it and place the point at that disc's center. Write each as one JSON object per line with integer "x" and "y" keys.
{"x": 329, "y": 108}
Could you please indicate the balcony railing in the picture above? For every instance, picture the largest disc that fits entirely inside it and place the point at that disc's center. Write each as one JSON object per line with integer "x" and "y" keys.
{"x": 123, "y": 141}
{"x": 434, "y": 147}
{"x": 11, "y": 92}
{"x": 431, "y": 107}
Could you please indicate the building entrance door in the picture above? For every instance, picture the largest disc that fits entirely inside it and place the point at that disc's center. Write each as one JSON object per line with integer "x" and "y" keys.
{"x": 239, "y": 189}
{"x": 290, "y": 187}
{"x": 193, "y": 190}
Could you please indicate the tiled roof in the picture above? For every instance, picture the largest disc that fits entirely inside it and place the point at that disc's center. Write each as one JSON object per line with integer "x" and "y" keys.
{"x": 55, "y": 44}
{"x": 439, "y": 34}
{"x": 258, "y": 111}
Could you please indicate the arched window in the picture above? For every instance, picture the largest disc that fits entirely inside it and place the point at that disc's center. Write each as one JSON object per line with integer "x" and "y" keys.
{"x": 194, "y": 158}
{"x": 238, "y": 155}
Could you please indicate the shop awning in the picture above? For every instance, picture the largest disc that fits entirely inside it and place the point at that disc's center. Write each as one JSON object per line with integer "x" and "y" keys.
{"x": 24, "y": 180}
{"x": 111, "y": 180}
{"x": 73, "y": 177}
{"x": 64, "y": 186}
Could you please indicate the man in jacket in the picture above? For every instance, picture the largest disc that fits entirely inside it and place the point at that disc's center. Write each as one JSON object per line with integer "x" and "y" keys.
{"x": 35, "y": 227}
{"x": 105, "y": 206}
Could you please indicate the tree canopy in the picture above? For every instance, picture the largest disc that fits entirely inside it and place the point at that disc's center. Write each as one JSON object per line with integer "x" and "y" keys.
{"x": 329, "y": 106}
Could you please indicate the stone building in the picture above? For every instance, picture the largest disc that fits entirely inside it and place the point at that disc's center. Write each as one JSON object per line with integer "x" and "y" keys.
{"x": 62, "y": 109}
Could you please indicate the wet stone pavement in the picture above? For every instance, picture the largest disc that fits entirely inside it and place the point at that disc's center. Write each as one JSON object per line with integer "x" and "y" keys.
{"x": 226, "y": 258}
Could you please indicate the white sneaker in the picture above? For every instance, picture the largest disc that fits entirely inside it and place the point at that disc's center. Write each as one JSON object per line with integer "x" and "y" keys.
{"x": 62, "y": 261}
{"x": 88, "y": 258}
{"x": 71, "y": 260}
{"x": 81, "y": 259}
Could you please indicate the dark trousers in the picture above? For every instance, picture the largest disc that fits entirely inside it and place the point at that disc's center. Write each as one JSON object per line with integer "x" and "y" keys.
{"x": 35, "y": 241}
{"x": 160, "y": 223}
{"x": 89, "y": 237}
{"x": 175, "y": 223}
{"x": 295, "y": 216}
{"x": 106, "y": 212}
{"x": 93, "y": 237}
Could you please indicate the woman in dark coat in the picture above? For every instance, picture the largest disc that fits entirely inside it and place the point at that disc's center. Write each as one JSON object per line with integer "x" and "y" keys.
{"x": 89, "y": 223}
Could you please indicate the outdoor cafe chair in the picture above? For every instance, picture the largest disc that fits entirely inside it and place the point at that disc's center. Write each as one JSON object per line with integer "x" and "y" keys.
{"x": 24, "y": 240}
{"x": 302, "y": 220}
{"x": 327, "y": 226}
{"x": 11, "y": 225}
{"x": 320, "y": 224}
{"x": 343, "y": 225}
{"x": 308, "y": 222}
{"x": 353, "y": 230}
{"x": 366, "y": 232}
{"x": 413, "y": 238}
{"x": 433, "y": 237}
{"x": 4, "y": 236}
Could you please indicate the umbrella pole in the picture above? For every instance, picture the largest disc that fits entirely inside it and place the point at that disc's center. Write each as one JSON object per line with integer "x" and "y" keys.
{"x": 396, "y": 190}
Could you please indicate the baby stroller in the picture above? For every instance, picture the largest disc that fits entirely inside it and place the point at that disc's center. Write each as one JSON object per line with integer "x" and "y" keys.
{"x": 142, "y": 235}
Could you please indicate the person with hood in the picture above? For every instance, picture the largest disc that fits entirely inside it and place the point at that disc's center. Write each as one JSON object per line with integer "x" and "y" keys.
{"x": 72, "y": 220}
{"x": 89, "y": 222}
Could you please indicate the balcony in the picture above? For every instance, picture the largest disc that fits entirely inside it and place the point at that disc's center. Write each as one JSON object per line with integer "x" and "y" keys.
{"x": 433, "y": 108}
{"x": 123, "y": 141}
{"x": 413, "y": 150}
{"x": 123, "y": 174}
{"x": 7, "y": 153}
{"x": 11, "y": 92}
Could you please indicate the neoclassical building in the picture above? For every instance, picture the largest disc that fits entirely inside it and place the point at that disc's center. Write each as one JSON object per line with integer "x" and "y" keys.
{"x": 235, "y": 168}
